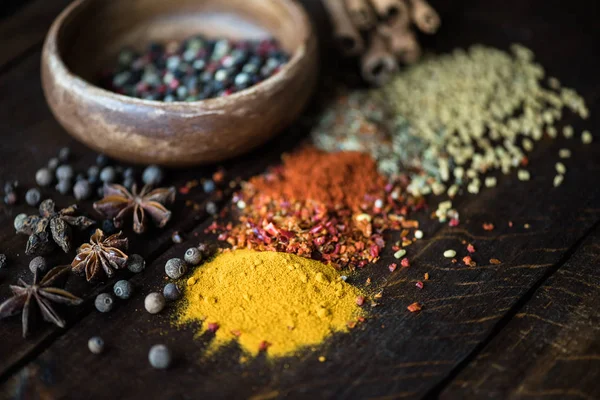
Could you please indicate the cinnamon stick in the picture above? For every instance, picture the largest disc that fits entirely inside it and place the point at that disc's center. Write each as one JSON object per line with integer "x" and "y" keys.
{"x": 424, "y": 16}
{"x": 402, "y": 42}
{"x": 392, "y": 10}
{"x": 361, "y": 14}
{"x": 347, "y": 37}
{"x": 378, "y": 64}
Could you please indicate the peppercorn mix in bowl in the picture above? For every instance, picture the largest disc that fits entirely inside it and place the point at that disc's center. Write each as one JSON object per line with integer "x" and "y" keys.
{"x": 185, "y": 129}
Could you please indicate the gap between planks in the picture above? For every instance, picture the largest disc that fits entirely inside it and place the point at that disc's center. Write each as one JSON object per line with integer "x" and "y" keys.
{"x": 434, "y": 392}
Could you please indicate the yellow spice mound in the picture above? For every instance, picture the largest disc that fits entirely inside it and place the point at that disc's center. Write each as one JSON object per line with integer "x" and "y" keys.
{"x": 255, "y": 297}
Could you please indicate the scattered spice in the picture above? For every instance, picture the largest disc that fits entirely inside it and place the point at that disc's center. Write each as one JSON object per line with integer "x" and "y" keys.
{"x": 414, "y": 307}
{"x": 392, "y": 267}
{"x": 281, "y": 302}
{"x": 449, "y": 253}
{"x": 495, "y": 261}
{"x": 405, "y": 263}
{"x": 42, "y": 293}
{"x": 419, "y": 284}
{"x": 118, "y": 203}
{"x": 487, "y": 226}
{"x": 304, "y": 207}
{"x": 52, "y": 227}
{"x": 470, "y": 113}
{"x": 426, "y": 276}
{"x": 102, "y": 256}
{"x": 470, "y": 248}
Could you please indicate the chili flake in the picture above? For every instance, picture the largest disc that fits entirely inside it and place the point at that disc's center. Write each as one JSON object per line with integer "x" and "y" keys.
{"x": 414, "y": 307}
{"x": 426, "y": 276}
{"x": 488, "y": 226}
{"x": 392, "y": 267}
{"x": 419, "y": 284}
{"x": 360, "y": 300}
{"x": 405, "y": 263}
{"x": 495, "y": 261}
{"x": 470, "y": 248}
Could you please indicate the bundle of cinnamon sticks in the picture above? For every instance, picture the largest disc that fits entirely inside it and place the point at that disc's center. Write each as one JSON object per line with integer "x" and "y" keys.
{"x": 379, "y": 32}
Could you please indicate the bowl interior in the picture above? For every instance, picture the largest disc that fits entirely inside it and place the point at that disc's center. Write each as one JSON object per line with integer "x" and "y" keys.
{"x": 94, "y": 33}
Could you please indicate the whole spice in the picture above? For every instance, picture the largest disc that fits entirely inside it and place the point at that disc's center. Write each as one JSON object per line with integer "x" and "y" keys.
{"x": 288, "y": 301}
{"x": 38, "y": 264}
{"x": 197, "y": 68}
{"x": 43, "y": 177}
{"x": 118, "y": 203}
{"x": 175, "y": 268}
{"x": 52, "y": 226}
{"x": 104, "y": 302}
{"x": 96, "y": 345}
{"x": 102, "y": 256}
{"x": 33, "y": 197}
{"x": 193, "y": 256}
{"x": 43, "y": 294}
{"x": 123, "y": 289}
{"x": 154, "y": 303}
{"x": 159, "y": 356}
{"x": 171, "y": 292}
{"x": 136, "y": 263}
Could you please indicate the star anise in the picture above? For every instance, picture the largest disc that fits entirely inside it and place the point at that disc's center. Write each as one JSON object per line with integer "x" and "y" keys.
{"x": 52, "y": 226}
{"x": 102, "y": 256}
{"x": 118, "y": 203}
{"x": 42, "y": 293}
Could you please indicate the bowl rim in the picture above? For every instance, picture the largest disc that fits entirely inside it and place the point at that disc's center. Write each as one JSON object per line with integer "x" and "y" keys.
{"x": 54, "y": 58}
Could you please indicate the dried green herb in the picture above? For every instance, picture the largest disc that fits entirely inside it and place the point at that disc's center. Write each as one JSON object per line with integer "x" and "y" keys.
{"x": 51, "y": 227}
{"x": 118, "y": 203}
{"x": 102, "y": 256}
{"x": 42, "y": 293}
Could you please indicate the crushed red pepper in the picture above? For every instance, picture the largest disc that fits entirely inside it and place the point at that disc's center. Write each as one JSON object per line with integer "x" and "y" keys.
{"x": 331, "y": 207}
{"x": 414, "y": 307}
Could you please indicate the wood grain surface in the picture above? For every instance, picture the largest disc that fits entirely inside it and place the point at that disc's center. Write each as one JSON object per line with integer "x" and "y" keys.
{"x": 525, "y": 328}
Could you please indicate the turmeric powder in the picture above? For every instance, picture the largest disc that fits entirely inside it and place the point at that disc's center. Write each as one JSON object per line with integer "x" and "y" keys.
{"x": 268, "y": 301}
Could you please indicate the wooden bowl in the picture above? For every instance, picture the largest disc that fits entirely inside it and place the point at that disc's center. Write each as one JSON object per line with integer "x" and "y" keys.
{"x": 88, "y": 35}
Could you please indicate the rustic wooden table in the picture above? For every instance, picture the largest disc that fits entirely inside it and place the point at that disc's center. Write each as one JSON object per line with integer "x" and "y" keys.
{"x": 527, "y": 328}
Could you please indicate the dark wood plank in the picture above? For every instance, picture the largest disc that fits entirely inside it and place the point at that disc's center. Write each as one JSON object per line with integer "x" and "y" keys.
{"x": 551, "y": 348}
{"x": 395, "y": 354}
{"x": 26, "y": 28}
